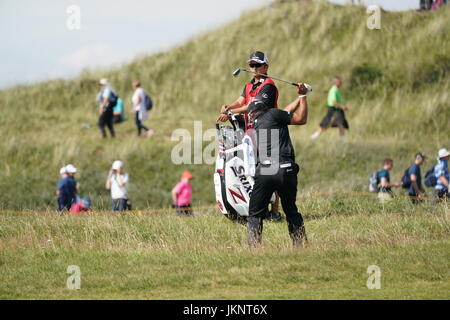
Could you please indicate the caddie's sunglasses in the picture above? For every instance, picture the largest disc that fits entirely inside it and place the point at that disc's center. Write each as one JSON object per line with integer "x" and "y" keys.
{"x": 255, "y": 65}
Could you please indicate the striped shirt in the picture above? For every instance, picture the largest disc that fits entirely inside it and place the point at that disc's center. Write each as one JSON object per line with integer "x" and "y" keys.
{"x": 441, "y": 170}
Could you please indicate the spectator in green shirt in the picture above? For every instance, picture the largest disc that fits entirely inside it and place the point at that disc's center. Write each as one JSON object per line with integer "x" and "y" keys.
{"x": 335, "y": 116}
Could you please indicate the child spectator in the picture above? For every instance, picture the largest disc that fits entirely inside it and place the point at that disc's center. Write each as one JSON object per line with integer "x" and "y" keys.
{"x": 182, "y": 195}
{"x": 384, "y": 181}
{"x": 84, "y": 205}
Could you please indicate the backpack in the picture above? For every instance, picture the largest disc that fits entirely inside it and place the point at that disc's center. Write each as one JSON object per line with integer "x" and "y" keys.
{"x": 373, "y": 182}
{"x": 113, "y": 97}
{"x": 430, "y": 178}
{"x": 406, "y": 179}
{"x": 148, "y": 102}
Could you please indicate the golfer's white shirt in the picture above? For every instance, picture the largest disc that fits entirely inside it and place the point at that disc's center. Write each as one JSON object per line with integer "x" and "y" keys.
{"x": 118, "y": 192}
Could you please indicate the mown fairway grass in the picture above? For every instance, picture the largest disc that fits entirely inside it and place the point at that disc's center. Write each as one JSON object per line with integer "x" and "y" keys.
{"x": 163, "y": 256}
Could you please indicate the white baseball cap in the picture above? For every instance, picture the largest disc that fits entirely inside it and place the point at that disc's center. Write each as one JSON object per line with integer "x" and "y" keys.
{"x": 103, "y": 81}
{"x": 117, "y": 165}
{"x": 63, "y": 170}
{"x": 70, "y": 168}
{"x": 443, "y": 153}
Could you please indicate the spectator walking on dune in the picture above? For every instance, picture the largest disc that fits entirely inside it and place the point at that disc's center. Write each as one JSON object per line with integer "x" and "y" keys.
{"x": 182, "y": 195}
{"x": 140, "y": 108}
{"x": 107, "y": 100}
{"x": 117, "y": 182}
{"x": 416, "y": 189}
{"x": 384, "y": 181}
{"x": 335, "y": 116}
{"x": 442, "y": 174}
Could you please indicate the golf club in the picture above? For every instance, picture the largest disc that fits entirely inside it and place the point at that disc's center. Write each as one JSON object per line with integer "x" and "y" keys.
{"x": 237, "y": 71}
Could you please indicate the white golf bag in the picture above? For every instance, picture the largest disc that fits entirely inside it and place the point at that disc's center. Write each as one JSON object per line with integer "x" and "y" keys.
{"x": 232, "y": 185}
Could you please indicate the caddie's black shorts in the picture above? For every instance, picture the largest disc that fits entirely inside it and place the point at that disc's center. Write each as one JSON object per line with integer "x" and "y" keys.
{"x": 335, "y": 118}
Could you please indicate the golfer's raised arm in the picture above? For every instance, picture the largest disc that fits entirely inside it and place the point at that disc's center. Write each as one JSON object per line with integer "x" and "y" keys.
{"x": 299, "y": 107}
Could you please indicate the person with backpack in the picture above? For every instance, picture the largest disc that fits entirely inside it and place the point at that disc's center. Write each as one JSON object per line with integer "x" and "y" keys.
{"x": 384, "y": 181}
{"x": 107, "y": 99}
{"x": 442, "y": 175}
{"x": 413, "y": 179}
{"x": 142, "y": 104}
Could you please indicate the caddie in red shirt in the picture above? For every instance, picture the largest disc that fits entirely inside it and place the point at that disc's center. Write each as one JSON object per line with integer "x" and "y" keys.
{"x": 259, "y": 87}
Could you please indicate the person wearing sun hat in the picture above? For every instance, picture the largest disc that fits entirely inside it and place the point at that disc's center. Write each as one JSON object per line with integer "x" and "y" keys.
{"x": 182, "y": 194}
{"x": 67, "y": 188}
{"x": 442, "y": 175}
{"x": 117, "y": 182}
{"x": 63, "y": 175}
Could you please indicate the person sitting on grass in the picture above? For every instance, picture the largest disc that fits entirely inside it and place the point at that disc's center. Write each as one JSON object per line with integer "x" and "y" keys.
{"x": 84, "y": 205}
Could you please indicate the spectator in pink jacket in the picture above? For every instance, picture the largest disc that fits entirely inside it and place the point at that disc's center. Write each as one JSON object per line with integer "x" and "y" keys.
{"x": 182, "y": 195}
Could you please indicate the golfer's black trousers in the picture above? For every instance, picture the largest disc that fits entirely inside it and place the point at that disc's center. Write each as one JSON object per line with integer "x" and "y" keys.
{"x": 285, "y": 182}
{"x": 106, "y": 119}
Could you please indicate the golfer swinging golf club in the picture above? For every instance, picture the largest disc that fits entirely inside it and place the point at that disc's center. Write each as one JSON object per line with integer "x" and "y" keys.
{"x": 276, "y": 169}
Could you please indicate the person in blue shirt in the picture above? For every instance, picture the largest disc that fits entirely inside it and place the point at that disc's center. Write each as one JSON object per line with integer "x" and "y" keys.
{"x": 384, "y": 181}
{"x": 67, "y": 189}
{"x": 442, "y": 175}
{"x": 416, "y": 189}
{"x": 63, "y": 175}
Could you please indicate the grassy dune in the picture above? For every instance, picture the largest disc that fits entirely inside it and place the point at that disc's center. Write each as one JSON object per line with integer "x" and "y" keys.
{"x": 162, "y": 256}
{"x": 396, "y": 85}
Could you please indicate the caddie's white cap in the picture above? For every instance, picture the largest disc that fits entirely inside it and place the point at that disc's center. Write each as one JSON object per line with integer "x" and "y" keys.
{"x": 103, "y": 81}
{"x": 63, "y": 170}
{"x": 443, "y": 153}
{"x": 70, "y": 168}
{"x": 117, "y": 165}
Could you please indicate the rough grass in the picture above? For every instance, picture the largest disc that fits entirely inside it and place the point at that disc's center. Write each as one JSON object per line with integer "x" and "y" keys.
{"x": 163, "y": 256}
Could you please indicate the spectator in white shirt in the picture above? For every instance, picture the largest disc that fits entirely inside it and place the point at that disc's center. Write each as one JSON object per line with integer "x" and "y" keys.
{"x": 117, "y": 182}
{"x": 140, "y": 110}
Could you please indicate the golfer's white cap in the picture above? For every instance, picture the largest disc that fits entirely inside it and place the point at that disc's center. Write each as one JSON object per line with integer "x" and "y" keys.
{"x": 117, "y": 165}
{"x": 443, "y": 153}
{"x": 63, "y": 170}
{"x": 70, "y": 168}
{"x": 103, "y": 81}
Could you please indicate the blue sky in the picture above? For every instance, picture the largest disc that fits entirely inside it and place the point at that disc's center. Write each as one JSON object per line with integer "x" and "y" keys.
{"x": 37, "y": 45}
